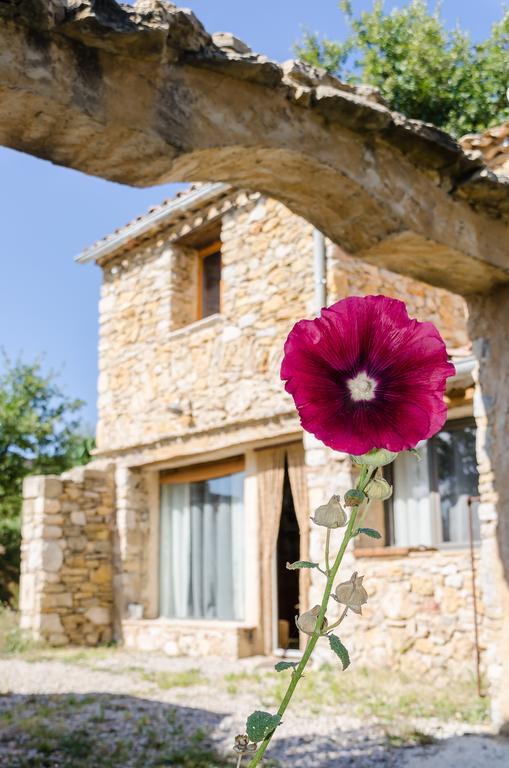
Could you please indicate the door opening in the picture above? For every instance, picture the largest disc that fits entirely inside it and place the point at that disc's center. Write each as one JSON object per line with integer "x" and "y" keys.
{"x": 288, "y": 550}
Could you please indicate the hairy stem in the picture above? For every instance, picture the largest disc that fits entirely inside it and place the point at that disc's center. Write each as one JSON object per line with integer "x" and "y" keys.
{"x": 327, "y": 546}
{"x": 364, "y": 512}
{"x": 338, "y": 622}
{"x": 365, "y": 475}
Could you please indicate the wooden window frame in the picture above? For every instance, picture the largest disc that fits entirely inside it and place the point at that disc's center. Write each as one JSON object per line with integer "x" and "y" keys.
{"x": 206, "y": 471}
{"x": 202, "y": 254}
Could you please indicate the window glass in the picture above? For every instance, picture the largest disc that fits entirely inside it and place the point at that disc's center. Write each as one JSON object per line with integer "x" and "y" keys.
{"x": 201, "y": 549}
{"x": 211, "y": 284}
{"x": 429, "y": 506}
{"x": 455, "y": 480}
{"x": 412, "y": 502}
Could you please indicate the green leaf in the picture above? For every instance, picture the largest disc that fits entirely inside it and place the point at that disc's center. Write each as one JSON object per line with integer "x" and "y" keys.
{"x": 370, "y": 532}
{"x": 340, "y": 650}
{"x": 415, "y": 453}
{"x": 260, "y": 724}
{"x": 301, "y": 564}
{"x": 282, "y": 665}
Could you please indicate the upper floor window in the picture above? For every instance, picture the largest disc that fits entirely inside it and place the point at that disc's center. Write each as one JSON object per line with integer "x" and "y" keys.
{"x": 209, "y": 280}
{"x": 434, "y": 500}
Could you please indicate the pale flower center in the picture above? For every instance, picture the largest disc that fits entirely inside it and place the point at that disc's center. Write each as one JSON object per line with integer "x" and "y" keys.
{"x": 362, "y": 387}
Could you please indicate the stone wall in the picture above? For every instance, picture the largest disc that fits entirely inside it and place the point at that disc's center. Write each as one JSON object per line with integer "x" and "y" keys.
{"x": 348, "y": 276}
{"x": 66, "y": 590}
{"x": 190, "y": 638}
{"x": 218, "y": 371}
{"x": 420, "y": 615}
{"x": 131, "y": 553}
{"x": 163, "y": 376}
{"x": 489, "y": 323}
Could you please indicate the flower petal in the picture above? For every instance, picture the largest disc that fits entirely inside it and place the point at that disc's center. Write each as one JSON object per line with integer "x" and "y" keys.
{"x": 403, "y": 361}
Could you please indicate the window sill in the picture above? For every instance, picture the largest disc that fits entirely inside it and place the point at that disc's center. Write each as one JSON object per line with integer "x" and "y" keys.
{"x": 381, "y": 552}
{"x": 197, "y": 325}
{"x": 385, "y": 552}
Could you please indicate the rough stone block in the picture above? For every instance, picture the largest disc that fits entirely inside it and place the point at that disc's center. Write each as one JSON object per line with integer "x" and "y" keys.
{"x": 57, "y": 639}
{"x": 102, "y": 575}
{"x": 49, "y": 623}
{"x": 52, "y": 532}
{"x": 423, "y": 585}
{"x": 45, "y": 506}
{"x": 48, "y": 486}
{"x": 98, "y": 615}
{"x": 52, "y": 556}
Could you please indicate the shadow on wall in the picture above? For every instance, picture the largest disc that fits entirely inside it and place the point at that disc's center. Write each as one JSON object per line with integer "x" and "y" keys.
{"x": 118, "y": 731}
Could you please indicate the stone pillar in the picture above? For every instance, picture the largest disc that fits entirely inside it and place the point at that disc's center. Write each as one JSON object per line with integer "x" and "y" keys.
{"x": 66, "y": 591}
{"x": 131, "y": 544}
{"x": 489, "y": 330}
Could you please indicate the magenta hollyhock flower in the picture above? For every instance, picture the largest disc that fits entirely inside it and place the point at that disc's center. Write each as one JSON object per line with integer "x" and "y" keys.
{"x": 364, "y": 375}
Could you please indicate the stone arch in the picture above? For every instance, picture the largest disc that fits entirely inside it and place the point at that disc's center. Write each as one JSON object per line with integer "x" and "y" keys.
{"x": 144, "y": 95}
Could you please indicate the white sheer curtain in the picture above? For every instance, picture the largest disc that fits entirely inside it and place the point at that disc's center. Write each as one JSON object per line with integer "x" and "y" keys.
{"x": 175, "y": 558}
{"x": 458, "y": 520}
{"x": 413, "y": 518}
{"x": 201, "y": 552}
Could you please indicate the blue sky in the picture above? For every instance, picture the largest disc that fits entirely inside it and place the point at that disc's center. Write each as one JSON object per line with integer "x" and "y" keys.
{"x": 48, "y": 304}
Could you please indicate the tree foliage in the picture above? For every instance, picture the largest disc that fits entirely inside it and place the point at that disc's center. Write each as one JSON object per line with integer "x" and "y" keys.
{"x": 422, "y": 69}
{"x": 40, "y": 433}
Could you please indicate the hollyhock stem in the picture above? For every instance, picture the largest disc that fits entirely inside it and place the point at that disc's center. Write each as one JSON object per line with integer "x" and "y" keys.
{"x": 327, "y": 546}
{"x": 364, "y": 512}
{"x": 365, "y": 476}
{"x": 338, "y": 622}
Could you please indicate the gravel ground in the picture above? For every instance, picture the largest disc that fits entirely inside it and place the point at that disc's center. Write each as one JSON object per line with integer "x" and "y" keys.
{"x": 127, "y": 710}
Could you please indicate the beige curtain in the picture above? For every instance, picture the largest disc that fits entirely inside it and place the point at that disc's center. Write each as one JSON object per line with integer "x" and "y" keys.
{"x": 271, "y": 466}
{"x": 297, "y": 475}
{"x": 271, "y": 472}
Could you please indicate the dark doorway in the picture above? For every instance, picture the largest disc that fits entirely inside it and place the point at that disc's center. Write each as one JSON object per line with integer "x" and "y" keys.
{"x": 288, "y": 546}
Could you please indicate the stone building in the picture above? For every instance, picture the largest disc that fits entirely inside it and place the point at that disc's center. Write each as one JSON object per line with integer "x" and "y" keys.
{"x": 176, "y": 536}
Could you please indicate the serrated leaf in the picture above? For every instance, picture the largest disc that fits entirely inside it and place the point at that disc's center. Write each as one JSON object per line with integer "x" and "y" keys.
{"x": 301, "y": 564}
{"x": 340, "y": 650}
{"x": 370, "y": 532}
{"x": 260, "y": 724}
{"x": 282, "y": 665}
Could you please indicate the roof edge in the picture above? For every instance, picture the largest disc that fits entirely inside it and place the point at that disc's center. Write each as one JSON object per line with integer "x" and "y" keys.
{"x": 151, "y": 220}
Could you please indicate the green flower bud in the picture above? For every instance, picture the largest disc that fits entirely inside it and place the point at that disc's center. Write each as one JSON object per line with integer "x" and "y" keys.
{"x": 306, "y": 622}
{"x": 378, "y": 457}
{"x": 331, "y": 515}
{"x": 378, "y": 488}
{"x": 354, "y": 498}
{"x": 351, "y": 593}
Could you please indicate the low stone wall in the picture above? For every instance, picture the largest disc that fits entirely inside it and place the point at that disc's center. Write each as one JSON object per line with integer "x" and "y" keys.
{"x": 66, "y": 593}
{"x": 190, "y": 638}
{"x": 420, "y": 614}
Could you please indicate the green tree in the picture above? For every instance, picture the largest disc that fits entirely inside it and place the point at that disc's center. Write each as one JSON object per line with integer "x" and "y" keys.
{"x": 422, "y": 69}
{"x": 40, "y": 433}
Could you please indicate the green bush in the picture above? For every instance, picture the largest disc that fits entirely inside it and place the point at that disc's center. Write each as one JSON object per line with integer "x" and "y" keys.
{"x": 40, "y": 433}
{"x": 10, "y": 541}
{"x": 421, "y": 68}
{"x": 12, "y": 638}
